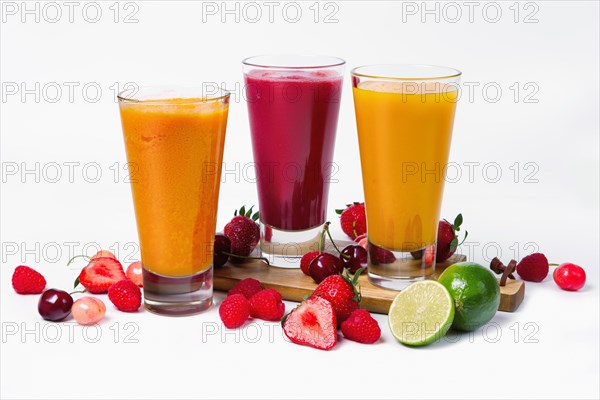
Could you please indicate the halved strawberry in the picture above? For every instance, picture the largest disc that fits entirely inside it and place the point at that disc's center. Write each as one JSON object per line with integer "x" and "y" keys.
{"x": 100, "y": 274}
{"x": 312, "y": 323}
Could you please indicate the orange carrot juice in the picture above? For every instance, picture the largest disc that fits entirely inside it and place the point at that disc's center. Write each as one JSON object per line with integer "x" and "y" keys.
{"x": 175, "y": 150}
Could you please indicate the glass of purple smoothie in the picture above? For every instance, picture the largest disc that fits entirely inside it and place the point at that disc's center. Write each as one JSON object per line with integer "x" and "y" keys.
{"x": 293, "y": 106}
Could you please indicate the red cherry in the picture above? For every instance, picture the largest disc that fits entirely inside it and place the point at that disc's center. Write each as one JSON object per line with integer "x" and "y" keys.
{"x": 55, "y": 305}
{"x": 569, "y": 277}
{"x": 354, "y": 258}
{"x": 222, "y": 245}
{"x": 325, "y": 265}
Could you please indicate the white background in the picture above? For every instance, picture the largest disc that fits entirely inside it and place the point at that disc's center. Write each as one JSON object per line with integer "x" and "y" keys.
{"x": 548, "y": 348}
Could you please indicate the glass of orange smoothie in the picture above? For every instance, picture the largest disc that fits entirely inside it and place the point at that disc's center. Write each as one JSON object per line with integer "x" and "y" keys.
{"x": 174, "y": 142}
{"x": 404, "y": 116}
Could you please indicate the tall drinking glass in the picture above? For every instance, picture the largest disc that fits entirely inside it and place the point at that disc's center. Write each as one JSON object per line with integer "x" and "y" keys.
{"x": 293, "y": 104}
{"x": 174, "y": 142}
{"x": 404, "y": 116}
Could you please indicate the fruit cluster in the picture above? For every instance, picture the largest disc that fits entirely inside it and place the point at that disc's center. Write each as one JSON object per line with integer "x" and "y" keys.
{"x": 535, "y": 268}
{"x": 103, "y": 274}
{"x": 320, "y": 264}
{"x": 249, "y": 299}
{"x": 239, "y": 239}
{"x": 334, "y": 303}
{"x": 465, "y": 297}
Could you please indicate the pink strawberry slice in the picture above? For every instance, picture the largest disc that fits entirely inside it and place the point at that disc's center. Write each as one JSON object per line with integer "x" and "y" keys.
{"x": 312, "y": 323}
{"x": 100, "y": 274}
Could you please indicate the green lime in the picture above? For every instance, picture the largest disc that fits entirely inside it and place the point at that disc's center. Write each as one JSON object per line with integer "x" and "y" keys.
{"x": 476, "y": 294}
{"x": 421, "y": 314}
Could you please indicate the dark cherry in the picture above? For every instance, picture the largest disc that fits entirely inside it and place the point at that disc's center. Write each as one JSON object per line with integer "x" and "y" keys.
{"x": 55, "y": 305}
{"x": 354, "y": 257}
{"x": 380, "y": 255}
{"x": 324, "y": 265}
{"x": 417, "y": 254}
{"x": 222, "y": 245}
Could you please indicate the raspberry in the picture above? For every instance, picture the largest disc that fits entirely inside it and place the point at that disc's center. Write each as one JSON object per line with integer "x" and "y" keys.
{"x": 125, "y": 295}
{"x": 26, "y": 280}
{"x": 361, "y": 327}
{"x": 306, "y": 260}
{"x": 267, "y": 305}
{"x": 234, "y": 311}
{"x": 533, "y": 267}
{"x": 247, "y": 287}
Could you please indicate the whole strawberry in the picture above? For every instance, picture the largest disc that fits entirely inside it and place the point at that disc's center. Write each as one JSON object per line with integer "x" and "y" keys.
{"x": 361, "y": 327}
{"x": 268, "y": 305}
{"x": 234, "y": 311}
{"x": 125, "y": 295}
{"x": 243, "y": 231}
{"x": 447, "y": 239}
{"x": 247, "y": 287}
{"x": 27, "y": 280}
{"x": 312, "y": 324}
{"x": 353, "y": 219}
{"x": 533, "y": 268}
{"x": 342, "y": 292}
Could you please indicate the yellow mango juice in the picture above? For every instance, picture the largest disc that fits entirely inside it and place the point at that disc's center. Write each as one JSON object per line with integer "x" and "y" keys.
{"x": 404, "y": 132}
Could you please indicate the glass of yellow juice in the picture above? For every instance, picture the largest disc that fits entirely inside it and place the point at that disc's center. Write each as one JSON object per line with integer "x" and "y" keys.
{"x": 174, "y": 141}
{"x": 404, "y": 117}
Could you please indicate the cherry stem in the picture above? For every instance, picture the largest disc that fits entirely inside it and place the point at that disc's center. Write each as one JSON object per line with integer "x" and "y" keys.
{"x": 81, "y": 255}
{"x": 265, "y": 260}
{"x": 77, "y": 291}
{"x": 553, "y": 265}
{"x": 322, "y": 238}
{"x": 326, "y": 228}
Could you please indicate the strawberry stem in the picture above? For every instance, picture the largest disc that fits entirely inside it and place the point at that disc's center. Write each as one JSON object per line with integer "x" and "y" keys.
{"x": 465, "y": 238}
{"x": 81, "y": 255}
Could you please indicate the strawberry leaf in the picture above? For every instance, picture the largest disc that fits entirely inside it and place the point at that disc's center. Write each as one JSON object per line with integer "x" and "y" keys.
{"x": 454, "y": 244}
{"x": 339, "y": 212}
{"x": 255, "y": 216}
{"x": 76, "y": 283}
{"x": 243, "y": 211}
{"x": 458, "y": 222}
{"x": 285, "y": 317}
{"x": 249, "y": 212}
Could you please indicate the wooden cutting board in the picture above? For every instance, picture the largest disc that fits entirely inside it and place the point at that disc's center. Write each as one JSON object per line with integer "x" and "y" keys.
{"x": 294, "y": 285}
